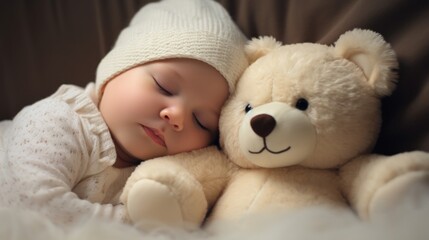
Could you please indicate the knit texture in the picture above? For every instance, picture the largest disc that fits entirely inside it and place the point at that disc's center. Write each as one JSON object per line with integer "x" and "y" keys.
{"x": 196, "y": 29}
{"x": 56, "y": 157}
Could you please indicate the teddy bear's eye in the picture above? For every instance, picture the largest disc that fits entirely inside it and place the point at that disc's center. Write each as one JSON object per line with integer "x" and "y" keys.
{"x": 301, "y": 104}
{"x": 248, "y": 108}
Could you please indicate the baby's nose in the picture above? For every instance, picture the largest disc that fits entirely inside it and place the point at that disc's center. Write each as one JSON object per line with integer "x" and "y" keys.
{"x": 174, "y": 116}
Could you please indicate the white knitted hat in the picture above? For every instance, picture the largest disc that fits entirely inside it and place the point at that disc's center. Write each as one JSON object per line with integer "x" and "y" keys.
{"x": 196, "y": 29}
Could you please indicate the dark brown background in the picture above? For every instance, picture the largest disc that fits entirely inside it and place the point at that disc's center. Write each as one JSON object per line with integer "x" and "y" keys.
{"x": 44, "y": 44}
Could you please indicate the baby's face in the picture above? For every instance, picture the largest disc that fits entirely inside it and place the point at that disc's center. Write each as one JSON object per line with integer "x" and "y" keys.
{"x": 163, "y": 108}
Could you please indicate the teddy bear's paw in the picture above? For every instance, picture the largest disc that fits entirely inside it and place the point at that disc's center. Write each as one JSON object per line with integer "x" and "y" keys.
{"x": 409, "y": 191}
{"x": 151, "y": 204}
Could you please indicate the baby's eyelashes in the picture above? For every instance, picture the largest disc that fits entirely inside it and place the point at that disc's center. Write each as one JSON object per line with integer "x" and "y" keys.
{"x": 199, "y": 123}
{"x": 162, "y": 89}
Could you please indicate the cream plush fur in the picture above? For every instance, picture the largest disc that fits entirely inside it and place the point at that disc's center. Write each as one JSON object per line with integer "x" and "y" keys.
{"x": 296, "y": 134}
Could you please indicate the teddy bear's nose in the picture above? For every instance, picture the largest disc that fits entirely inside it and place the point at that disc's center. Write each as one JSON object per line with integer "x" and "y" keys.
{"x": 263, "y": 124}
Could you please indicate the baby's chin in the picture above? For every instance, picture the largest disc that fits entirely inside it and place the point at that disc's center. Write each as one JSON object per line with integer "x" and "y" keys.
{"x": 141, "y": 153}
{"x": 123, "y": 157}
{"x": 133, "y": 146}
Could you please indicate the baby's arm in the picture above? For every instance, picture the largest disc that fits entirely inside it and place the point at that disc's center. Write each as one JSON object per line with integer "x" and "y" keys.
{"x": 45, "y": 157}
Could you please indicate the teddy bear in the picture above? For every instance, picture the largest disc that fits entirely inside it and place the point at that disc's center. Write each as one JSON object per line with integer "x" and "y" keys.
{"x": 297, "y": 132}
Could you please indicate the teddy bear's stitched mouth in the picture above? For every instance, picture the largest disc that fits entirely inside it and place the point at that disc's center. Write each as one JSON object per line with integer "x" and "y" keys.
{"x": 265, "y": 147}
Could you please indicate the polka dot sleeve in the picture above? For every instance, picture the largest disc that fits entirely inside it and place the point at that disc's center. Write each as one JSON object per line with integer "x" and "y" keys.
{"x": 49, "y": 148}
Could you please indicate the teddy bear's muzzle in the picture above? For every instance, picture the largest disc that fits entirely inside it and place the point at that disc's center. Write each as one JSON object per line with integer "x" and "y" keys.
{"x": 276, "y": 135}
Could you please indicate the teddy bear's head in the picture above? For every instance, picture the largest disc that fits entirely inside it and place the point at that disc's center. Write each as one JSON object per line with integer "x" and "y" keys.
{"x": 308, "y": 104}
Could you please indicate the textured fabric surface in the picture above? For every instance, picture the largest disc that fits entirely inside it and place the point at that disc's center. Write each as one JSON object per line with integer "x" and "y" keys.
{"x": 47, "y": 43}
{"x": 197, "y": 29}
{"x": 56, "y": 158}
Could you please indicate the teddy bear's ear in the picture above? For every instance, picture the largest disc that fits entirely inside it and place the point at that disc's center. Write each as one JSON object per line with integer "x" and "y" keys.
{"x": 373, "y": 55}
{"x": 258, "y": 47}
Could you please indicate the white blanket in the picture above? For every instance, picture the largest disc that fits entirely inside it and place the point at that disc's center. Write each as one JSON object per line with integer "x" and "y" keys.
{"x": 408, "y": 221}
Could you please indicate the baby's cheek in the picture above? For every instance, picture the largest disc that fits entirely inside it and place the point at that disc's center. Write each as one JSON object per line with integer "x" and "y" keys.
{"x": 136, "y": 107}
{"x": 194, "y": 140}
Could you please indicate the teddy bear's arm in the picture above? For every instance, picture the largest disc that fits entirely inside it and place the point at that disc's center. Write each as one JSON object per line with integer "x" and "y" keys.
{"x": 176, "y": 190}
{"x": 373, "y": 183}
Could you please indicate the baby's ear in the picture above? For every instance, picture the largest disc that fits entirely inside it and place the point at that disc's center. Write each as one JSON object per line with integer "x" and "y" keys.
{"x": 258, "y": 47}
{"x": 371, "y": 53}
